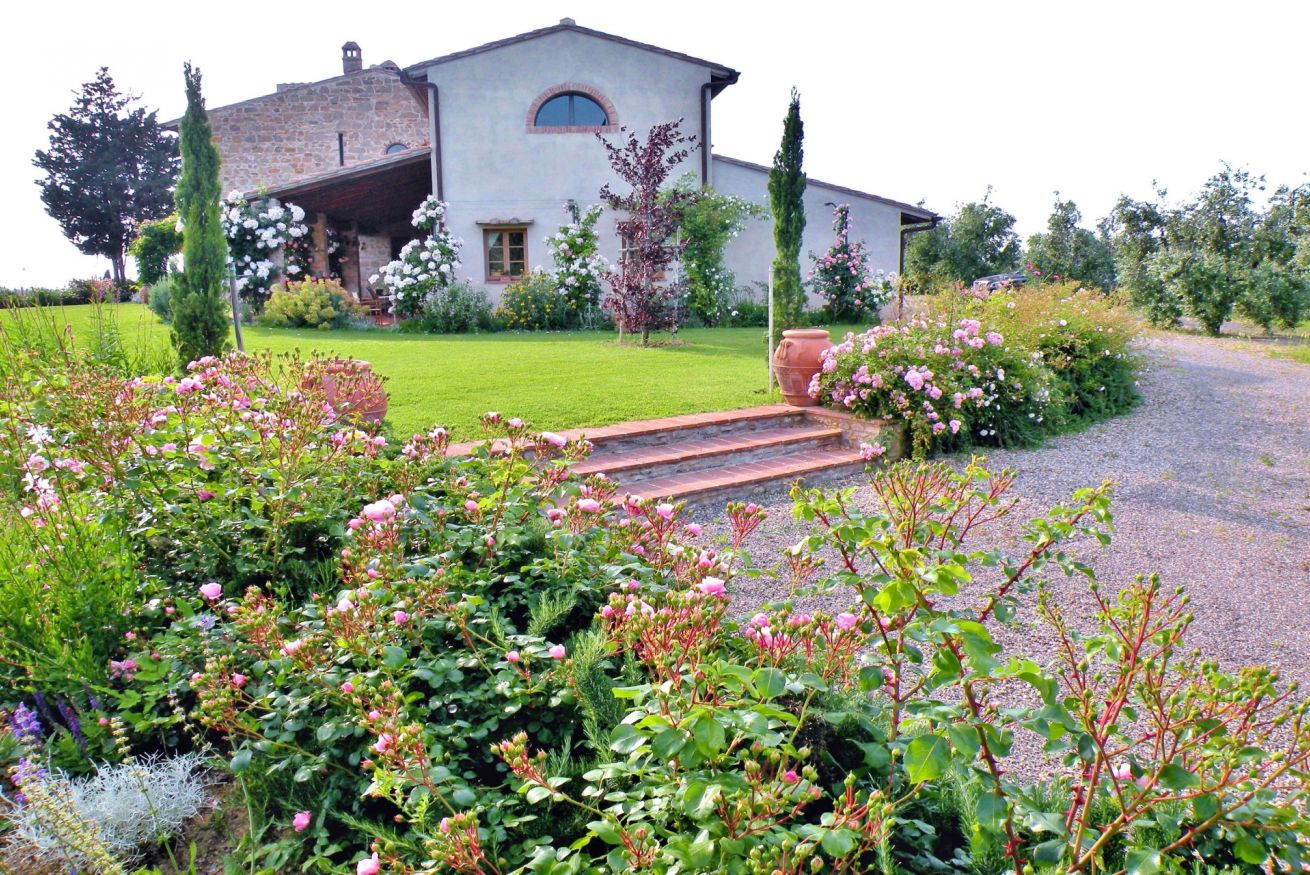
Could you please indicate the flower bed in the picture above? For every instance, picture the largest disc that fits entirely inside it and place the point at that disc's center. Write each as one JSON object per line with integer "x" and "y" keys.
{"x": 1004, "y": 369}
{"x": 489, "y": 664}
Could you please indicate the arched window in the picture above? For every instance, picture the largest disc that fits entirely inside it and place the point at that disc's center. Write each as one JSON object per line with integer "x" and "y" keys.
{"x": 571, "y": 109}
{"x": 396, "y": 147}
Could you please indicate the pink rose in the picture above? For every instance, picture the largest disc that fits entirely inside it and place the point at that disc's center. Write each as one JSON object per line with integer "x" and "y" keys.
{"x": 400, "y": 618}
{"x": 347, "y": 688}
{"x": 556, "y": 652}
{"x": 211, "y": 591}
{"x": 369, "y": 866}
{"x": 790, "y": 777}
{"x": 513, "y": 656}
{"x": 238, "y": 680}
{"x": 589, "y": 505}
{"x": 665, "y": 511}
{"x": 379, "y": 511}
{"x": 386, "y": 741}
{"x": 712, "y": 586}
{"x": 846, "y": 621}
{"x": 694, "y": 529}
{"x": 555, "y": 440}
{"x": 301, "y": 821}
{"x": 205, "y": 494}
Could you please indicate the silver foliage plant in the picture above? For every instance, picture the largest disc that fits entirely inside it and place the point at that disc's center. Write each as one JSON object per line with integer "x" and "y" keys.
{"x": 122, "y": 808}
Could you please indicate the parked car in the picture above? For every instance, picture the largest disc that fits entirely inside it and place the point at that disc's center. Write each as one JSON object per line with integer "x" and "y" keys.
{"x": 1000, "y": 280}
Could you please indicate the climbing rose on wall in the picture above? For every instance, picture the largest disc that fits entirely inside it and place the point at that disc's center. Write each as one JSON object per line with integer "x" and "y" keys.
{"x": 841, "y": 275}
{"x": 427, "y": 264}
{"x": 579, "y": 267}
{"x": 264, "y": 241}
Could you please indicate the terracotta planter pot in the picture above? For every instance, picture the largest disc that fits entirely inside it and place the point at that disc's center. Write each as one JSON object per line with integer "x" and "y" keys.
{"x": 795, "y": 362}
{"x": 354, "y": 390}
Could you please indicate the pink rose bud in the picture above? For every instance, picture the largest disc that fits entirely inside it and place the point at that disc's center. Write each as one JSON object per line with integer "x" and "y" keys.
{"x": 205, "y": 494}
{"x": 555, "y": 440}
{"x": 238, "y": 680}
{"x": 400, "y": 618}
{"x": 846, "y": 621}
{"x": 513, "y": 656}
{"x": 790, "y": 777}
{"x": 370, "y": 866}
{"x": 694, "y": 529}
{"x": 301, "y": 821}
{"x": 589, "y": 505}
{"x": 355, "y": 523}
{"x": 347, "y": 688}
{"x": 375, "y": 714}
{"x": 211, "y": 591}
{"x": 556, "y": 652}
{"x": 471, "y": 506}
{"x": 607, "y": 611}
{"x": 1121, "y": 771}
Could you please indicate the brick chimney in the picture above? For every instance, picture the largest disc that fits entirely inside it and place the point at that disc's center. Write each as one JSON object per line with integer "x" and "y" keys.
{"x": 352, "y": 59}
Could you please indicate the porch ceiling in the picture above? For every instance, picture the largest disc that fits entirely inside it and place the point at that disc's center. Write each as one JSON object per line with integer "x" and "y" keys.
{"x": 382, "y": 192}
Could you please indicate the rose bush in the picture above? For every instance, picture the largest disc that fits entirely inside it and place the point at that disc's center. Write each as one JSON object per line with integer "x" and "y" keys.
{"x": 989, "y": 369}
{"x": 427, "y": 264}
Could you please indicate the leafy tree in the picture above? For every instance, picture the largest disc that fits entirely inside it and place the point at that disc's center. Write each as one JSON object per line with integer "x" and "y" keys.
{"x": 156, "y": 242}
{"x": 1216, "y": 253}
{"x": 1071, "y": 252}
{"x": 786, "y": 200}
{"x": 640, "y": 300}
{"x": 979, "y": 240}
{"x": 108, "y": 169}
{"x": 707, "y": 222}
{"x": 199, "y": 311}
{"x": 1136, "y": 233}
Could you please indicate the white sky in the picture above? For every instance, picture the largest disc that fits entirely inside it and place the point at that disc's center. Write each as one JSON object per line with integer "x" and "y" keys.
{"x": 907, "y": 99}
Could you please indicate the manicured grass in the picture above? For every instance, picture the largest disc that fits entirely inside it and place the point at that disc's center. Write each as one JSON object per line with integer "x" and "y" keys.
{"x": 553, "y": 380}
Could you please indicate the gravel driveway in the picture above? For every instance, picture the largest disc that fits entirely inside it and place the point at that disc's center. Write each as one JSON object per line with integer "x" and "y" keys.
{"x": 1213, "y": 474}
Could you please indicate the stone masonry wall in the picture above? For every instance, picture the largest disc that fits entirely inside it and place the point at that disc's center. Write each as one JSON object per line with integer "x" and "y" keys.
{"x": 292, "y": 134}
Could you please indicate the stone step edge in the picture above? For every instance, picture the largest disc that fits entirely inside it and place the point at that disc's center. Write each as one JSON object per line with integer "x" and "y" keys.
{"x": 747, "y": 441}
{"x": 685, "y": 487}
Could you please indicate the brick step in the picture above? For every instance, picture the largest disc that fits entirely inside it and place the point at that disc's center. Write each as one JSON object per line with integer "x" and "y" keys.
{"x": 659, "y": 433}
{"x": 681, "y": 452}
{"x": 736, "y": 482}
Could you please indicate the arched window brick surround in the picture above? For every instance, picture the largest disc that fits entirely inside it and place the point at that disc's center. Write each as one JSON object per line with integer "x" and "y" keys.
{"x": 610, "y": 112}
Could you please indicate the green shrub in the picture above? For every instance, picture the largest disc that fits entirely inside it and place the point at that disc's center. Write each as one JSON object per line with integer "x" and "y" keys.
{"x": 535, "y": 303}
{"x": 310, "y": 303}
{"x": 458, "y": 308}
{"x": 159, "y": 299}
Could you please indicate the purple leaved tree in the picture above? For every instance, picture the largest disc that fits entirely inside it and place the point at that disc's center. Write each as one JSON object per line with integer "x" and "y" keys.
{"x": 640, "y": 297}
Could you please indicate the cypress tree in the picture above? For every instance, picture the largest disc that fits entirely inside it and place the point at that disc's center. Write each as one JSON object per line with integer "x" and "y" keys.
{"x": 786, "y": 200}
{"x": 199, "y": 309}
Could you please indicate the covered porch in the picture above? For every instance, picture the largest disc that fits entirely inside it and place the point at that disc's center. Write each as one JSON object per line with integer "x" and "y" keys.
{"x": 360, "y": 217}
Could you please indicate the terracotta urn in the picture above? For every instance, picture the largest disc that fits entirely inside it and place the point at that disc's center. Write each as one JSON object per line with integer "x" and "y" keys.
{"x": 795, "y": 362}
{"x": 353, "y": 389}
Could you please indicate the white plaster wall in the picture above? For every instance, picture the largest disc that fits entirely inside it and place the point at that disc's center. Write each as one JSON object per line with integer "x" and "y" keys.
{"x": 749, "y": 255}
{"x": 494, "y": 169}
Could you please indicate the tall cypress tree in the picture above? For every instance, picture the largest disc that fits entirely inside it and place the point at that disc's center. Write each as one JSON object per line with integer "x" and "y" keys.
{"x": 786, "y": 200}
{"x": 199, "y": 310}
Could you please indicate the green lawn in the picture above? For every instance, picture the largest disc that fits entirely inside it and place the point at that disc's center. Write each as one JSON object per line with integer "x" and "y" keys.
{"x": 554, "y": 380}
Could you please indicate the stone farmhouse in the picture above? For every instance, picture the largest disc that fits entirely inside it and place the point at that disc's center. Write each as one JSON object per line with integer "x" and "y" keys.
{"x": 505, "y": 134}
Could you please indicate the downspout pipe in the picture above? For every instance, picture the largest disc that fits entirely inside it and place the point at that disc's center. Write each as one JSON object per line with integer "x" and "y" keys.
{"x": 434, "y": 130}
{"x": 906, "y": 231}
{"x": 706, "y": 95}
